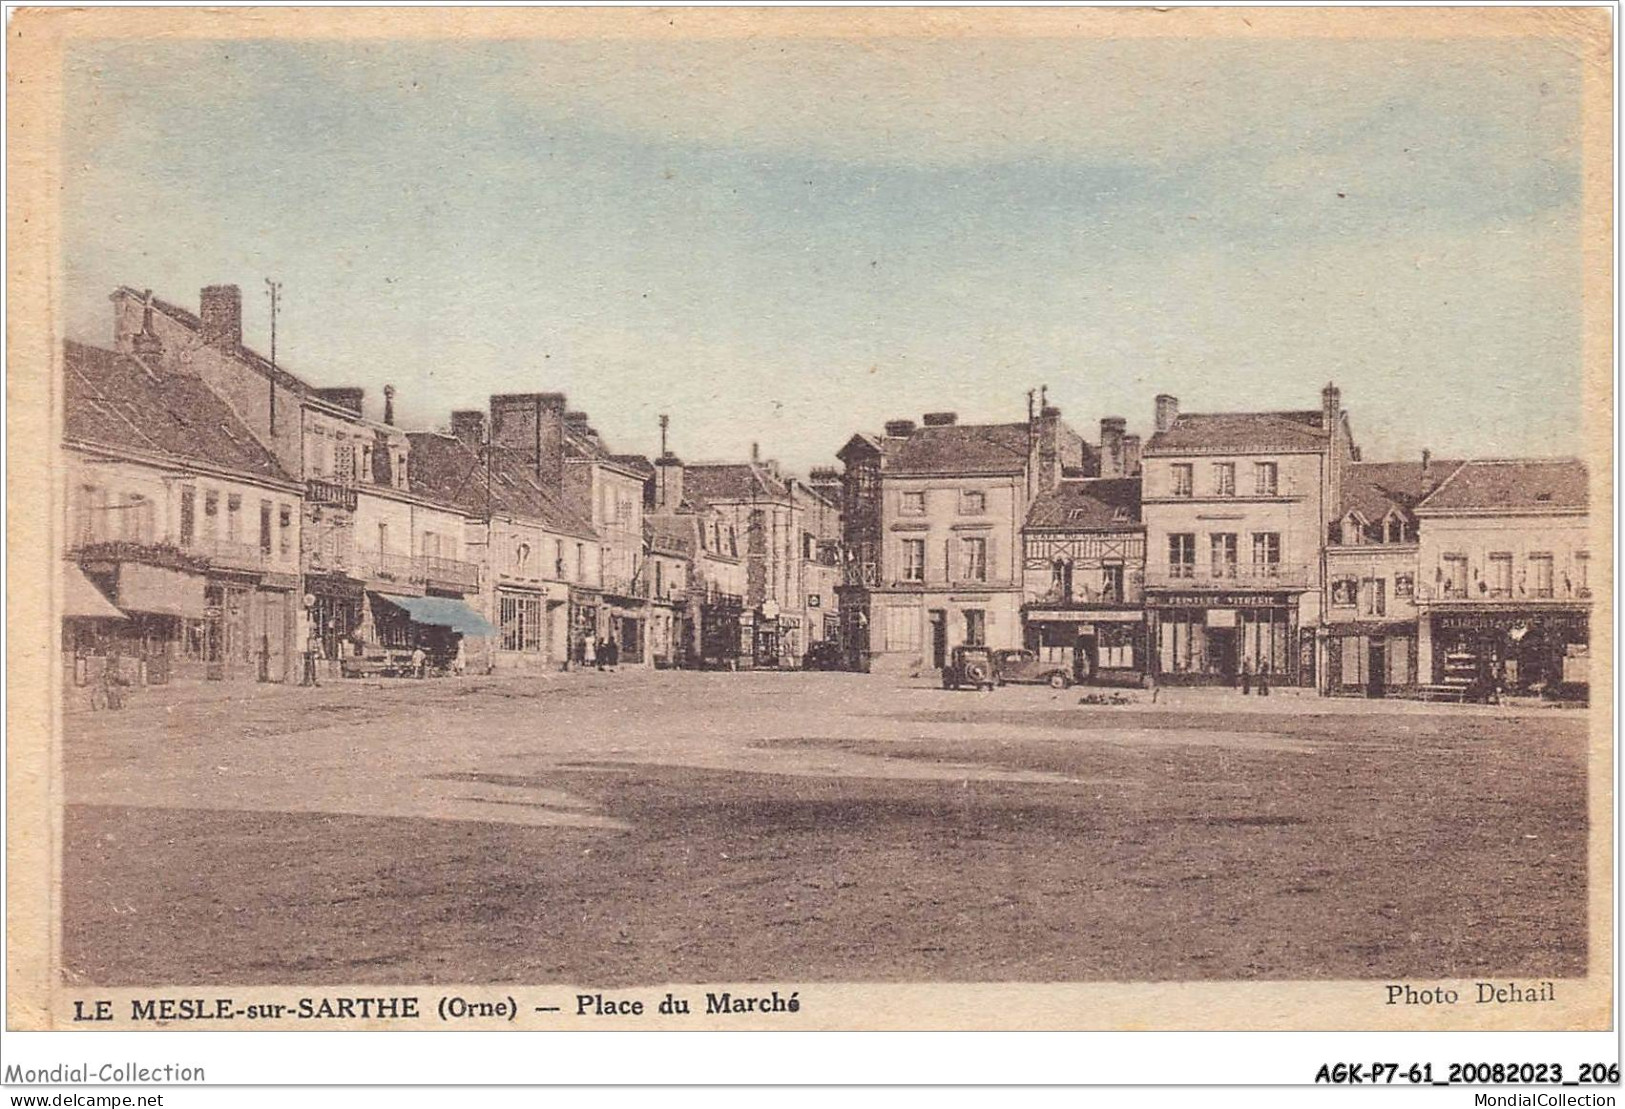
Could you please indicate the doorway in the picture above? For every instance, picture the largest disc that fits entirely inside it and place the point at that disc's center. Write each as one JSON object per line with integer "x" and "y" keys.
{"x": 939, "y": 638}
{"x": 1376, "y": 669}
{"x": 1221, "y": 654}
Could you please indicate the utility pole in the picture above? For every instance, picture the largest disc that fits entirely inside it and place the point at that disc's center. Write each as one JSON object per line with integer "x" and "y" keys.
{"x": 665, "y": 422}
{"x": 274, "y": 291}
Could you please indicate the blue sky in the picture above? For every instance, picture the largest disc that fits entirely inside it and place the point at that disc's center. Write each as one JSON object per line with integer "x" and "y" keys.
{"x": 789, "y": 240}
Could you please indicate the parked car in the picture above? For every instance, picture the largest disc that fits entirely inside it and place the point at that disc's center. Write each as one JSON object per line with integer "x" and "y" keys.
{"x": 969, "y": 666}
{"x": 1025, "y": 668}
{"x": 824, "y": 654}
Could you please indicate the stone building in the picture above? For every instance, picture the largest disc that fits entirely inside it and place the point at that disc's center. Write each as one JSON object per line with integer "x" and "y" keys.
{"x": 932, "y": 517}
{"x": 717, "y": 578}
{"x": 1236, "y": 508}
{"x": 180, "y": 517}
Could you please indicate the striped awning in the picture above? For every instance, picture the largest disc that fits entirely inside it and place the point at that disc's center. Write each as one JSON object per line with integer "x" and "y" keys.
{"x": 81, "y": 598}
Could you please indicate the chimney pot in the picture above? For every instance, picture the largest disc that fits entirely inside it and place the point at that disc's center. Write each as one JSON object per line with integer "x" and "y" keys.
{"x": 1131, "y": 455}
{"x": 899, "y": 429}
{"x": 1111, "y": 446}
{"x": 389, "y": 405}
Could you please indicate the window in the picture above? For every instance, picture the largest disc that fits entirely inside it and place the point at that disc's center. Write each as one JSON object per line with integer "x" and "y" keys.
{"x": 366, "y": 464}
{"x": 914, "y": 560}
{"x": 1396, "y": 529}
{"x": 972, "y": 502}
{"x": 234, "y": 518}
{"x": 285, "y": 530}
{"x": 1111, "y": 583}
{"x": 1405, "y": 585}
{"x": 581, "y": 561}
{"x": 344, "y": 462}
{"x": 1061, "y": 579}
{"x": 1267, "y": 553}
{"x": 1182, "y": 555}
{"x": 265, "y": 527}
{"x": 975, "y": 627}
{"x": 809, "y": 546}
{"x": 88, "y": 518}
{"x": 1500, "y": 582}
{"x": 1115, "y": 646}
{"x": 913, "y": 504}
{"x": 188, "y": 514}
{"x": 211, "y": 516}
{"x": 521, "y": 559}
{"x": 1540, "y": 573}
{"x": 521, "y": 619}
{"x": 1453, "y": 575}
{"x": 973, "y": 559}
{"x": 1373, "y": 597}
{"x": 1582, "y": 574}
{"x": 1223, "y": 545}
{"x": 1265, "y": 478}
{"x": 400, "y": 470}
{"x": 136, "y": 514}
{"x": 902, "y": 628}
{"x": 660, "y": 579}
{"x": 1343, "y": 592}
{"x": 1224, "y": 479}
{"x": 558, "y": 558}
{"x": 1182, "y": 479}
{"x": 383, "y": 538}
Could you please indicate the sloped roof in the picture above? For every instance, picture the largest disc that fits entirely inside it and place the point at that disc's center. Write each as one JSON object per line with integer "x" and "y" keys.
{"x": 1518, "y": 484}
{"x": 114, "y": 400}
{"x": 959, "y": 449}
{"x": 636, "y": 462}
{"x": 730, "y": 481}
{"x": 1240, "y": 433}
{"x": 247, "y": 355}
{"x": 446, "y": 470}
{"x": 1373, "y": 488}
{"x": 670, "y": 533}
{"x": 1093, "y": 503}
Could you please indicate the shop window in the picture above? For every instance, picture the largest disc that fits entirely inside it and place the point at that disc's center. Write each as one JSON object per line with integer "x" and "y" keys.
{"x": 521, "y": 621}
{"x": 973, "y": 559}
{"x": 188, "y": 514}
{"x": 1266, "y": 478}
{"x": 912, "y": 504}
{"x": 914, "y": 560}
{"x": 1540, "y": 574}
{"x": 1223, "y": 547}
{"x": 1182, "y": 555}
{"x": 1224, "y": 479}
{"x": 1500, "y": 575}
{"x": 1115, "y": 646}
{"x": 1183, "y": 483}
{"x": 1343, "y": 592}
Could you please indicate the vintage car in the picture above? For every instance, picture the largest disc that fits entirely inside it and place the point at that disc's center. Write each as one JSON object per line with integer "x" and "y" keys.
{"x": 824, "y": 654}
{"x": 969, "y": 666}
{"x": 1025, "y": 668}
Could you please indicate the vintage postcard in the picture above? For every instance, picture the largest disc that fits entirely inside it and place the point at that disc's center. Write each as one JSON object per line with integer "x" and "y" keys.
{"x": 811, "y": 519}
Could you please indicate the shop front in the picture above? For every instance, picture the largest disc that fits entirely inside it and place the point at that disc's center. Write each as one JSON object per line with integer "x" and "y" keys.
{"x": 1521, "y": 650}
{"x": 165, "y": 608}
{"x": 720, "y": 615}
{"x": 1218, "y": 638}
{"x": 1371, "y": 658}
{"x": 438, "y": 625}
{"x": 336, "y": 613}
{"x": 585, "y": 606}
{"x": 627, "y": 633}
{"x": 1100, "y": 645}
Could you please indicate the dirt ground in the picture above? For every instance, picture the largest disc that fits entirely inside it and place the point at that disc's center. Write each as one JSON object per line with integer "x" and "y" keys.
{"x": 620, "y": 829}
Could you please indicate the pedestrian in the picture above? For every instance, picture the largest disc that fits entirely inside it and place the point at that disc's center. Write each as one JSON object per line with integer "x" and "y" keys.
{"x": 459, "y": 664}
{"x": 592, "y": 655}
{"x": 420, "y": 661}
{"x": 612, "y": 650}
{"x": 1246, "y": 678}
{"x": 1151, "y": 684}
{"x": 1263, "y": 681}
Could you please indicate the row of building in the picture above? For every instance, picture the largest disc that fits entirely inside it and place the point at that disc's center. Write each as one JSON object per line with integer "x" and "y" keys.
{"x": 225, "y": 518}
{"x": 1223, "y": 545}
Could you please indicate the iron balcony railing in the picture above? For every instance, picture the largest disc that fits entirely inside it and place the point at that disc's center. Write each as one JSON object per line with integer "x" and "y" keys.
{"x": 451, "y": 571}
{"x": 1432, "y": 593}
{"x": 331, "y": 494}
{"x": 1229, "y": 575}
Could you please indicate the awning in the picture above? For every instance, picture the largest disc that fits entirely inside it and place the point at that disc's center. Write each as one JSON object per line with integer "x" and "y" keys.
{"x": 81, "y": 598}
{"x": 160, "y": 590}
{"x": 441, "y": 612}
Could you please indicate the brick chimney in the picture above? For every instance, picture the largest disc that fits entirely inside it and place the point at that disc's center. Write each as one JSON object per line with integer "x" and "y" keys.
{"x": 825, "y": 481}
{"x": 899, "y": 429}
{"x": 389, "y": 405}
{"x": 940, "y": 419}
{"x": 1111, "y": 446}
{"x": 1167, "y": 410}
{"x": 468, "y": 425}
{"x": 1049, "y": 451}
{"x": 1131, "y": 456}
{"x": 347, "y": 397}
{"x": 531, "y": 427}
{"x": 221, "y": 312}
{"x": 668, "y": 482}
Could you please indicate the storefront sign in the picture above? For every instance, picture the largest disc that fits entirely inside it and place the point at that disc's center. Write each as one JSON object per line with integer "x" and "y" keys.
{"x": 1079, "y": 615}
{"x": 1220, "y": 600}
{"x": 1221, "y": 617}
{"x": 1574, "y": 623}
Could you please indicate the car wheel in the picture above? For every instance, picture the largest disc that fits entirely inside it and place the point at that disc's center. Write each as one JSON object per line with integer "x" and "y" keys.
{"x": 1059, "y": 680}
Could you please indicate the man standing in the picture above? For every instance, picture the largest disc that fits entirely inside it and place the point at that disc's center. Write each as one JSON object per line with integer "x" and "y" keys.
{"x": 420, "y": 661}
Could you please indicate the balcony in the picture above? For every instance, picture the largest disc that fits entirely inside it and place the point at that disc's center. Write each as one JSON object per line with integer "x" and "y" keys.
{"x": 1232, "y": 576}
{"x": 1446, "y": 592}
{"x": 231, "y": 554}
{"x": 861, "y": 573}
{"x": 451, "y": 573}
{"x": 331, "y": 494}
{"x": 132, "y": 550}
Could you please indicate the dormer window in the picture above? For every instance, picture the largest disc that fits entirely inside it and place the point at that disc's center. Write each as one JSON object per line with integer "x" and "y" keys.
{"x": 1395, "y": 528}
